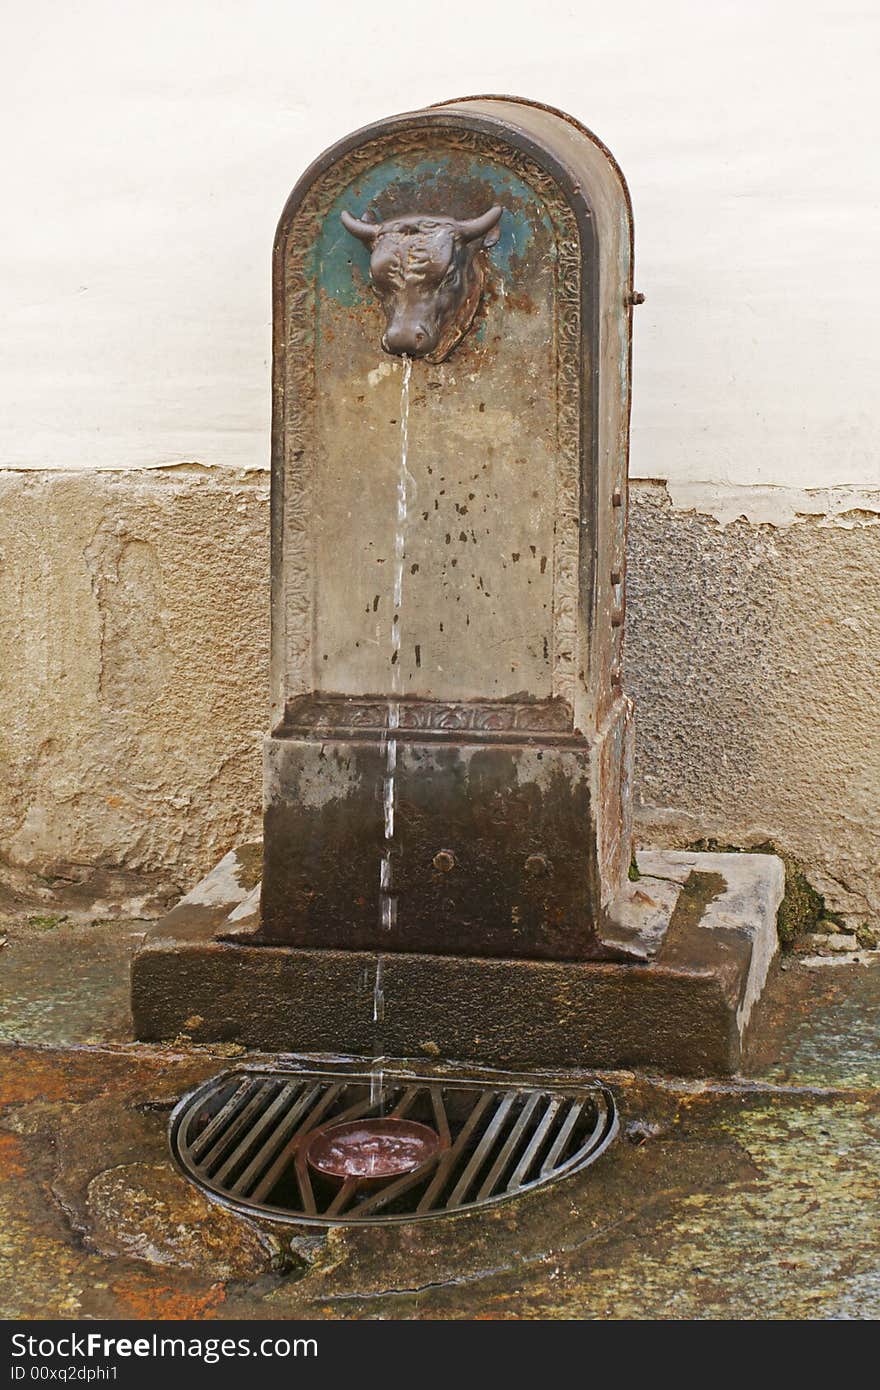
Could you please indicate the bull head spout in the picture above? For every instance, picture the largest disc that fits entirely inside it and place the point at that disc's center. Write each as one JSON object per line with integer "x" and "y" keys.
{"x": 428, "y": 272}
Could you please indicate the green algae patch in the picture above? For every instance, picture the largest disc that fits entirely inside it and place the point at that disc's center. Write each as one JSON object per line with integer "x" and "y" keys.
{"x": 47, "y": 922}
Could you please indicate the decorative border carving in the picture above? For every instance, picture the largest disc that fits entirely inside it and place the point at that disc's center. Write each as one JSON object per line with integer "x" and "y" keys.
{"x": 339, "y": 714}
{"x": 300, "y": 400}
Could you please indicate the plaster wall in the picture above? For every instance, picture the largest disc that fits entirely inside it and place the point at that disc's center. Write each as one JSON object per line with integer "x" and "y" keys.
{"x": 134, "y": 609}
{"x": 150, "y": 150}
{"x": 752, "y": 657}
{"x": 134, "y": 613}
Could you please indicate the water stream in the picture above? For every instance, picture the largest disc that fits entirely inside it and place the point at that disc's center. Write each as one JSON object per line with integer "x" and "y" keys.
{"x": 387, "y": 893}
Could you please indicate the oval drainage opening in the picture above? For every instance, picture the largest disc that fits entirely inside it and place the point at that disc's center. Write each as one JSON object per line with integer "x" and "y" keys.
{"x": 244, "y": 1136}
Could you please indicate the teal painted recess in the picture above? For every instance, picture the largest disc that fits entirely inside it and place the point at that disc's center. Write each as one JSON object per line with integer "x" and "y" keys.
{"x": 342, "y": 263}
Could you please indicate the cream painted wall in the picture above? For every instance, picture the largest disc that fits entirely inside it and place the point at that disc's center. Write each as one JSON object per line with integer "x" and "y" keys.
{"x": 150, "y": 149}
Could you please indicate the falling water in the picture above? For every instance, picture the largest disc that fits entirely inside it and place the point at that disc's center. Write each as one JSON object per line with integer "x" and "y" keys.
{"x": 377, "y": 1081}
{"x": 387, "y": 894}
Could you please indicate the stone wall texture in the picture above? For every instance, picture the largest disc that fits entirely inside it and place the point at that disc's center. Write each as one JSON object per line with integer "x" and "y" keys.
{"x": 752, "y": 655}
{"x": 134, "y": 609}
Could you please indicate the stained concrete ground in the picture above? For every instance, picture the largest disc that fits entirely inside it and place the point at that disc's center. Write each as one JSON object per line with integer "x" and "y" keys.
{"x": 754, "y": 1197}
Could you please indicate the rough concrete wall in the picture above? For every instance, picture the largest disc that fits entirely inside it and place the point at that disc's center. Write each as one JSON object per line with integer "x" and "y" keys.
{"x": 134, "y": 610}
{"x": 752, "y": 654}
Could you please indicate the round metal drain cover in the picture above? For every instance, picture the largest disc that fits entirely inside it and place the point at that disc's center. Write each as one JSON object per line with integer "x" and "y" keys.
{"x": 243, "y": 1137}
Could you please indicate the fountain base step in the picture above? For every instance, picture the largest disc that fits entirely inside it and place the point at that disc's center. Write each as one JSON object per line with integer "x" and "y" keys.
{"x": 704, "y": 924}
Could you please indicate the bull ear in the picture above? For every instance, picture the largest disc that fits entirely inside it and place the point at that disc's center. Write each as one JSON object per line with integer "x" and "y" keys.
{"x": 364, "y": 231}
{"x": 485, "y": 227}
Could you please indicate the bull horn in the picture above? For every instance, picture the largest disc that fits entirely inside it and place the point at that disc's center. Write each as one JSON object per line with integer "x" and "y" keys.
{"x": 480, "y": 226}
{"x": 364, "y": 231}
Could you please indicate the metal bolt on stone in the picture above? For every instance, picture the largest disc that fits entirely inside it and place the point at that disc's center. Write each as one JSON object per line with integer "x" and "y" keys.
{"x": 538, "y": 866}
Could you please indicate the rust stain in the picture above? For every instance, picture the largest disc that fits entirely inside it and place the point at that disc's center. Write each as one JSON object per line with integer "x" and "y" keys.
{"x": 146, "y": 1299}
{"x": 27, "y": 1076}
{"x": 12, "y": 1164}
{"x": 520, "y": 301}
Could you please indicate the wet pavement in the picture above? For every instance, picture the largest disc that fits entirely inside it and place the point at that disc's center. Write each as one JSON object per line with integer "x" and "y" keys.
{"x": 751, "y": 1197}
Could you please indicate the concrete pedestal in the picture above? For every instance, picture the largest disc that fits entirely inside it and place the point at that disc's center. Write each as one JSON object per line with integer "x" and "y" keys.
{"x": 704, "y": 926}
{"x": 529, "y": 817}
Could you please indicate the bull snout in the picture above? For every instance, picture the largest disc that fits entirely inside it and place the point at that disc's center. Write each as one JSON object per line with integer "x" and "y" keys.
{"x": 408, "y": 339}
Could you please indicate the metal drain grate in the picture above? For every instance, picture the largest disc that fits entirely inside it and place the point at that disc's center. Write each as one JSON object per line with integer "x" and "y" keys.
{"x": 241, "y": 1137}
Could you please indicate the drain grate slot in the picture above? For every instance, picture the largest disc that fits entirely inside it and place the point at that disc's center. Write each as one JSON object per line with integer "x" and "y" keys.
{"x": 242, "y": 1138}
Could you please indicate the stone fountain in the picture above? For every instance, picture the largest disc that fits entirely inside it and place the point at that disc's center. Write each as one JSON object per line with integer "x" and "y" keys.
{"x": 447, "y": 864}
